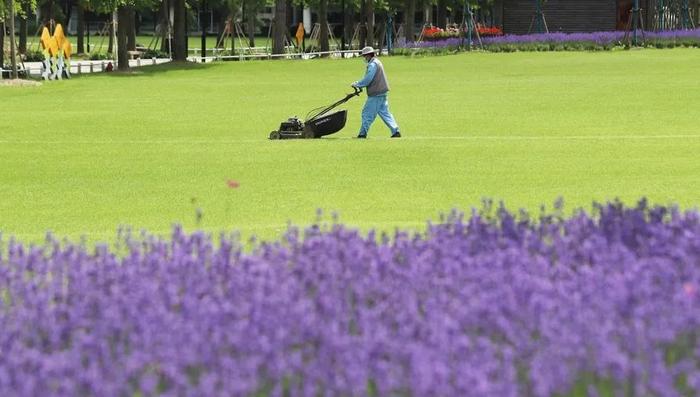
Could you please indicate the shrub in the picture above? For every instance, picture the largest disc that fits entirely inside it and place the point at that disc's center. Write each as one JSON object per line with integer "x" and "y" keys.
{"x": 34, "y": 56}
{"x": 100, "y": 56}
{"x": 151, "y": 53}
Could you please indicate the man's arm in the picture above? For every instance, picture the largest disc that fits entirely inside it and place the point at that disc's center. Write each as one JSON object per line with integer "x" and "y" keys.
{"x": 369, "y": 76}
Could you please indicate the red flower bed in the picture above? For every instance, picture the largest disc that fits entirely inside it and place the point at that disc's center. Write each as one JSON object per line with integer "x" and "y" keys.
{"x": 433, "y": 33}
{"x": 489, "y": 31}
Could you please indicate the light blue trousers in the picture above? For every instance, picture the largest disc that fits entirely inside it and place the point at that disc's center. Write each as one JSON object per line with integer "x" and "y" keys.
{"x": 377, "y": 105}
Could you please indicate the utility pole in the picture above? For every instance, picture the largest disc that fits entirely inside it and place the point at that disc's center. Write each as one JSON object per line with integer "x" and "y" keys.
{"x": 13, "y": 47}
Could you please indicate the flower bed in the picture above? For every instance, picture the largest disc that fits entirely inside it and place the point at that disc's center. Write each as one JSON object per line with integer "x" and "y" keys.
{"x": 433, "y": 33}
{"x": 563, "y": 41}
{"x": 489, "y": 305}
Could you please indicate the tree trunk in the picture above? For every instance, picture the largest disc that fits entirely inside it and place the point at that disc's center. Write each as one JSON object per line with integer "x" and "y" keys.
{"x": 23, "y": 31}
{"x": 370, "y": 23}
{"x": 250, "y": 14}
{"x": 2, "y": 44}
{"x": 131, "y": 32}
{"x": 323, "y": 20}
{"x": 13, "y": 49}
{"x": 498, "y": 13}
{"x": 280, "y": 27}
{"x": 363, "y": 25}
{"x": 164, "y": 26}
{"x": 50, "y": 15}
{"x": 122, "y": 33}
{"x": 81, "y": 28}
{"x": 410, "y": 20}
{"x": 347, "y": 26}
{"x": 442, "y": 14}
{"x": 110, "y": 45}
{"x": 223, "y": 14}
{"x": 180, "y": 40}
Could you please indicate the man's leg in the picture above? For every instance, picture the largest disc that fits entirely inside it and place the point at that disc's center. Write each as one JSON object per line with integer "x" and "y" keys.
{"x": 387, "y": 117}
{"x": 369, "y": 113}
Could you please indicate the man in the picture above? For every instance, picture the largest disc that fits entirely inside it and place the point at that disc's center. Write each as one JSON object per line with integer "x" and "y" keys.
{"x": 377, "y": 88}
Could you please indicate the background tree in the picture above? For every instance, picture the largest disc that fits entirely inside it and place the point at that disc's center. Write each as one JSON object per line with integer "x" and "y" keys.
{"x": 323, "y": 25}
{"x": 321, "y": 8}
{"x": 369, "y": 21}
{"x": 2, "y": 34}
{"x": 280, "y": 27}
{"x": 80, "y": 29}
{"x": 9, "y": 8}
{"x": 25, "y": 7}
{"x": 410, "y": 19}
{"x": 250, "y": 13}
{"x": 180, "y": 37}
{"x": 131, "y": 28}
{"x": 124, "y": 10}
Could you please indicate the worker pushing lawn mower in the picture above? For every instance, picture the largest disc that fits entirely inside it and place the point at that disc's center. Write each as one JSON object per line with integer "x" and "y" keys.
{"x": 377, "y": 89}
{"x": 319, "y": 122}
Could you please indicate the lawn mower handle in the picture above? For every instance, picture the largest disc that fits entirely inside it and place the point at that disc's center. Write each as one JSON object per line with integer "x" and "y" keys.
{"x": 318, "y": 113}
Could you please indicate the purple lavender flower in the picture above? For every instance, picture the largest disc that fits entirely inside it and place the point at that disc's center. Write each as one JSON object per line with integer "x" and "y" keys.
{"x": 598, "y": 38}
{"x": 492, "y": 304}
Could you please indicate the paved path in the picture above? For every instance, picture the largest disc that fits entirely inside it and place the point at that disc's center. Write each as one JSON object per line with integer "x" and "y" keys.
{"x": 88, "y": 66}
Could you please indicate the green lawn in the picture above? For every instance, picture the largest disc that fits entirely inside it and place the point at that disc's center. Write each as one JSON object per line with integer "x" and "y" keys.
{"x": 82, "y": 157}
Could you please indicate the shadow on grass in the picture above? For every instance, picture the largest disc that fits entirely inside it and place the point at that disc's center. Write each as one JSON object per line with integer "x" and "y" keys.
{"x": 151, "y": 70}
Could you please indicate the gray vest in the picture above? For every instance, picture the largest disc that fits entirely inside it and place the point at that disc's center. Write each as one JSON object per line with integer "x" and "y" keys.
{"x": 379, "y": 84}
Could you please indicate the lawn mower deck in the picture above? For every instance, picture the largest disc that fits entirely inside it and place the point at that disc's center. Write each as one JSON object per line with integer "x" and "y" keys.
{"x": 319, "y": 122}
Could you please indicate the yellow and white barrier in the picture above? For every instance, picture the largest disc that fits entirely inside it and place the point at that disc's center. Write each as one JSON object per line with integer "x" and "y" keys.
{"x": 57, "y": 51}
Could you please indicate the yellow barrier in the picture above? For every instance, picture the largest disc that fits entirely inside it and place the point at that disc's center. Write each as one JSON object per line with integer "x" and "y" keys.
{"x": 57, "y": 50}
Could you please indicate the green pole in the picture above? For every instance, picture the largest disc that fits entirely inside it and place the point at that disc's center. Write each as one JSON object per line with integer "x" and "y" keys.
{"x": 660, "y": 12}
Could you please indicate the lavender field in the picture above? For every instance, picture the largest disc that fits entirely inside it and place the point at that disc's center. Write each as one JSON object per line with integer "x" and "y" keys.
{"x": 574, "y": 41}
{"x": 491, "y": 303}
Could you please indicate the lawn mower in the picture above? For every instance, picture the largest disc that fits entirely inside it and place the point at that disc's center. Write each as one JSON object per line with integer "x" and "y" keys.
{"x": 318, "y": 122}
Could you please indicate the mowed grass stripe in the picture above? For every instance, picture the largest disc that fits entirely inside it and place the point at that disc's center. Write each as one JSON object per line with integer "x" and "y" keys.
{"x": 432, "y": 138}
{"x": 149, "y": 149}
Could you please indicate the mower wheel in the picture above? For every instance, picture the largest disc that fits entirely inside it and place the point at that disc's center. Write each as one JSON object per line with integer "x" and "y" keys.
{"x": 275, "y": 135}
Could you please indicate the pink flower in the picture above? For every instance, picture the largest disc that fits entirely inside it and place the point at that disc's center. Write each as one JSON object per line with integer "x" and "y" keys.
{"x": 232, "y": 184}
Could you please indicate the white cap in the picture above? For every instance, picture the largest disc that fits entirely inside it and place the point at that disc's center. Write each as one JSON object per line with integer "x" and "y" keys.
{"x": 367, "y": 50}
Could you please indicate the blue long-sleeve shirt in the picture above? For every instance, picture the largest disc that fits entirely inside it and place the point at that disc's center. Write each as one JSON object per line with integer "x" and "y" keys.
{"x": 369, "y": 75}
